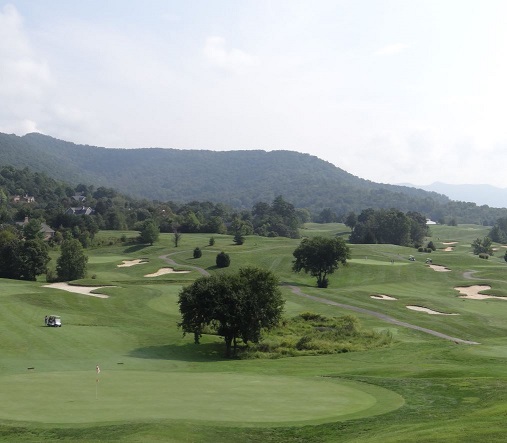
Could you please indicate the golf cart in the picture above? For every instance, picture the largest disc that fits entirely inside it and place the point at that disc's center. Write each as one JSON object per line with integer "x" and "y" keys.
{"x": 55, "y": 321}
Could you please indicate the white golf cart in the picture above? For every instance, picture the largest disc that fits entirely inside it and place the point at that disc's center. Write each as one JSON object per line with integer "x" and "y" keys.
{"x": 55, "y": 321}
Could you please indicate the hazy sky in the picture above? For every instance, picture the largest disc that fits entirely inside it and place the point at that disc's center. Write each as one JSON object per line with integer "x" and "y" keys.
{"x": 392, "y": 91}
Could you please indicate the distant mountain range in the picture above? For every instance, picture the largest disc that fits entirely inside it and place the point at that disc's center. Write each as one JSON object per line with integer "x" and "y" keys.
{"x": 237, "y": 178}
{"x": 479, "y": 194}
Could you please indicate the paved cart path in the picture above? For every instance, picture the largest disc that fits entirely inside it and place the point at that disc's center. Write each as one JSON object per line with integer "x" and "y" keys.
{"x": 296, "y": 290}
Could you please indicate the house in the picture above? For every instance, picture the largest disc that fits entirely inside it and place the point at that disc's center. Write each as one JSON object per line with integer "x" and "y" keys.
{"x": 79, "y": 197}
{"x": 23, "y": 199}
{"x": 44, "y": 228}
{"x": 82, "y": 210}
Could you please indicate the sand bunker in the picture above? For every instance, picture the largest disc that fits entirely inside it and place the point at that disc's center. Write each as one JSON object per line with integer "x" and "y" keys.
{"x": 85, "y": 290}
{"x": 427, "y": 310}
{"x": 439, "y": 268}
{"x": 128, "y": 263}
{"x": 448, "y": 249}
{"x": 163, "y": 271}
{"x": 472, "y": 292}
{"x": 382, "y": 297}
{"x": 450, "y": 243}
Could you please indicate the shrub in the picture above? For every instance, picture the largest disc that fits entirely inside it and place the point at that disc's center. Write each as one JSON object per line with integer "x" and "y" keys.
{"x": 197, "y": 252}
{"x": 483, "y": 255}
{"x": 431, "y": 246}
{"x": 212, "y": 241}
{"x": 223, "y": 260}
{"x": 420, "y": 249}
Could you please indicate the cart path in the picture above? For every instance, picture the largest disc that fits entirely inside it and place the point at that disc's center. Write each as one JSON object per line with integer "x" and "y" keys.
{"x": 170, "y": 261}
{"x": 296, "y": 290}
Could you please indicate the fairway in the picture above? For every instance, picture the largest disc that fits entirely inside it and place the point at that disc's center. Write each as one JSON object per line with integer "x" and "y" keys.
{"x": 231, "y": 398}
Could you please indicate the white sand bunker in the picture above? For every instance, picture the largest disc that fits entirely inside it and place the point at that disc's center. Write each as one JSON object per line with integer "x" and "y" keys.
{"x": 427, "y": 310}
{"x": 472, "y": 292}
{"x": 382, "y": 297}
{"x": 86, "y": 290}
{"x": 448, "y": 249}
{"x": 439, "y": 268}
{"x": 450, "y": 243}
{"x": 128, "y": 263}
{"x": 163, "y": 271}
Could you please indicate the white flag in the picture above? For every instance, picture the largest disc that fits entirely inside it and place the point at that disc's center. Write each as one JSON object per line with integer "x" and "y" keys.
{"x": 98, "y": 369}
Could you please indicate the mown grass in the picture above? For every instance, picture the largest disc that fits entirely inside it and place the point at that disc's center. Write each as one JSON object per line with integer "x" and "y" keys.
{"x": 451, "y": 392}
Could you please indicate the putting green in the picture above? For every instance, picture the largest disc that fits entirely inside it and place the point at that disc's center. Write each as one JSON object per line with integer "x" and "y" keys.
{"x": 230, "y": 398}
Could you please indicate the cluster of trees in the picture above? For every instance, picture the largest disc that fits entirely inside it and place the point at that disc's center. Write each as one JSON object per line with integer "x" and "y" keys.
{"x": 235, "y": 306}
{"x": 387, "y": 226}
{"x": 24, "y": 255}
{"x": 113, "y": 211}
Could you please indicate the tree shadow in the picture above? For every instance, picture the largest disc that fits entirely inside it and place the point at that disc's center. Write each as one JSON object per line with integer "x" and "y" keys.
{"x": 189, "y": 352}
{"x": 135, "y": 248}
{"x": 299, "y": 284}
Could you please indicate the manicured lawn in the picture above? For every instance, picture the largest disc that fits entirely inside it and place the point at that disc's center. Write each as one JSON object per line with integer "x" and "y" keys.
{"x": 156, "y": 385}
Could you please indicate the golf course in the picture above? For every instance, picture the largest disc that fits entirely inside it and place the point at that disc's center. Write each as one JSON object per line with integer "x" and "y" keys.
{"x": 120, "y": 369}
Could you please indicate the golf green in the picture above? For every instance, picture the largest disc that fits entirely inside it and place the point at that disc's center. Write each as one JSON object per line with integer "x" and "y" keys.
{"x": 230, "y": 398}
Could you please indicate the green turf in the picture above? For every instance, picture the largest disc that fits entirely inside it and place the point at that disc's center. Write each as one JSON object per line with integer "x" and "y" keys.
{"x": 422, "y": 388}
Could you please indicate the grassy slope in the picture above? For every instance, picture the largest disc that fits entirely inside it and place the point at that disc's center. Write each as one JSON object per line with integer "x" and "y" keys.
{"x": 452, "y": 392}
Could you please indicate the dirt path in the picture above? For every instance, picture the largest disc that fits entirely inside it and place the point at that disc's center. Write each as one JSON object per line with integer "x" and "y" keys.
{"x": 170, "y": 261}
{"x": 296, "y": 290}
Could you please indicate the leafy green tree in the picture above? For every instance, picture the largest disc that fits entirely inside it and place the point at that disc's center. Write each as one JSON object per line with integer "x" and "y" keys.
{"x": 71, "y": 265}
{"x": 223, "y": 260}
{"x": 197, "y": 252}
{"x": 176, "y": 238}
{"x": 482, "y": 246}
{"x": 31, "y": 230}
{"x": 351, "y": 220}
{"x": 212, "y": 241}
{"x": 320, "y": 257}
{"x": 239, "y": 238}
{"x": 149, "y": 233}
{"x": 32, "y": 257}
{"x": 236, "y": 306}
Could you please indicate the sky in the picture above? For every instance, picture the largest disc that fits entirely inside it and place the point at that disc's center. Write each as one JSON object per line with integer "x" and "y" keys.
{"x": 393, "y": 91}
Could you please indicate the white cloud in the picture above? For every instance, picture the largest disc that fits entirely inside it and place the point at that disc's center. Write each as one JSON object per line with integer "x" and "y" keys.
{"x": 25, "y": 78}
{"x": 233, "y": 59}
{"x": 393, "y": 49}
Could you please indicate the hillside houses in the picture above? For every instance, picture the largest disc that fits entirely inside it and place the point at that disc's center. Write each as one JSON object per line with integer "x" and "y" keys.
{"x": 81, "y": 210}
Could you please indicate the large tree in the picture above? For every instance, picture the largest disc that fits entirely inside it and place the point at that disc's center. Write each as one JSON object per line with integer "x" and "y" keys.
{"x": 22, "y": 259}
{"x": 236, "y": 306}
{"x": 320, "y": 256}
{"x": 71, "y": 265}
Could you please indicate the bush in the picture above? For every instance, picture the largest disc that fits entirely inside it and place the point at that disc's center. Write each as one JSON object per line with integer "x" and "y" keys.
{"x": 197, "y": 252}
{"x": 420, "y": 249}
{"x": 431, "y": 246}
{"x": 483, "y": 255}
{"x": 223, "y": 260}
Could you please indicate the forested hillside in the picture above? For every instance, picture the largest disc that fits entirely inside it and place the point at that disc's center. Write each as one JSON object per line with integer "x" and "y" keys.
{"x": 237, "y": 178}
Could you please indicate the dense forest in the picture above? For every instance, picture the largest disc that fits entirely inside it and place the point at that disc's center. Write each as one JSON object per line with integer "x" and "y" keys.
{"x": 236, "y": 179}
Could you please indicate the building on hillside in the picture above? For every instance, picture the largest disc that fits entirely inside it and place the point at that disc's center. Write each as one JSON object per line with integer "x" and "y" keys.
{"x": 82, "y": 210}
{"x": 79, "y": 197}
{"x": 23, "y": 199}
{"x": 44, "y": 228}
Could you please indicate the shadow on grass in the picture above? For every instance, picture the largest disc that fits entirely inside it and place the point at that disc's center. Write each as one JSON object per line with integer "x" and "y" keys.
{"x": 301, "y": 285}
{"x": 342, "y": 234}
{"x": 135, "y": 248}
{"x": 188, "y": 352}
